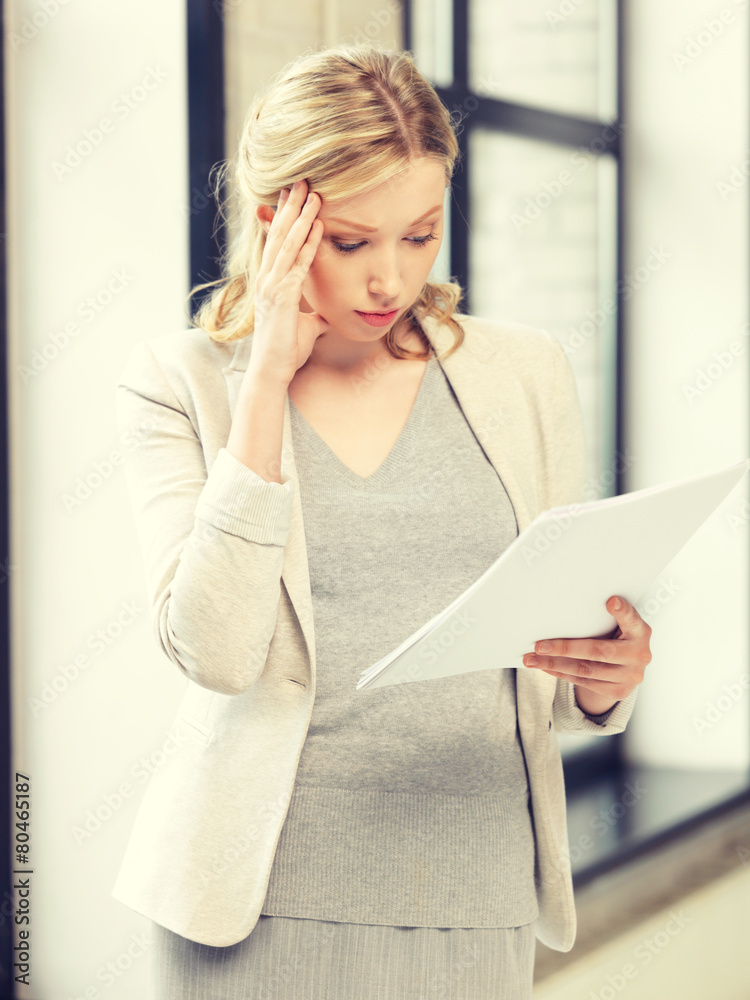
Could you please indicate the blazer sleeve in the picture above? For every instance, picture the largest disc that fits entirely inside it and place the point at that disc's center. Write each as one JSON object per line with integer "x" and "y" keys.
{"x": 569, "y": 477}
{"x": 212, "y": 544}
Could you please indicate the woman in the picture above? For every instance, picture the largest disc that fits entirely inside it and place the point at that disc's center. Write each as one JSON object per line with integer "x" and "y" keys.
{"x": 332, "y": 466}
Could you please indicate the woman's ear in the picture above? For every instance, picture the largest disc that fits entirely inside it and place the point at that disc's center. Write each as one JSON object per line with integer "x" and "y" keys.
{"x": 265, "y": 214}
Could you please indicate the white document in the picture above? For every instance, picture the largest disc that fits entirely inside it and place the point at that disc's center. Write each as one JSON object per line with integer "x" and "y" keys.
{"x": 553, "y": 580}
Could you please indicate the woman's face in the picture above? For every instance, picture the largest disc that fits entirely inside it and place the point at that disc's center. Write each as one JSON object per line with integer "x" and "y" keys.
{"x": 376, "y": 251}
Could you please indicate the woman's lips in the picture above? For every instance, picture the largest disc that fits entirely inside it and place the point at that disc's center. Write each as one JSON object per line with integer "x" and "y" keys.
{"x": 378, "y": 319}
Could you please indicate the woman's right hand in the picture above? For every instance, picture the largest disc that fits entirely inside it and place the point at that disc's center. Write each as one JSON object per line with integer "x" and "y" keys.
{"x": 283, "y": 337}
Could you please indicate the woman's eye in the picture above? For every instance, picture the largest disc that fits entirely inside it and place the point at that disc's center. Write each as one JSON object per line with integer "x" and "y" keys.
{"x": 418, "y": 241}
{"x": 347, "y": 247}
{"x": 421, "y": 240}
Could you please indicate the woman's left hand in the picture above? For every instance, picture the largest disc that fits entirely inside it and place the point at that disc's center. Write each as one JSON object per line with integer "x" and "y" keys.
{"x": 604, "y": 670}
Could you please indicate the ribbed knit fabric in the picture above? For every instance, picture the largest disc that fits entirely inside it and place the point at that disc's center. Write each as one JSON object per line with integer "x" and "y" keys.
{"x": 410, "y": 804}
{"x": 284, "y": 958}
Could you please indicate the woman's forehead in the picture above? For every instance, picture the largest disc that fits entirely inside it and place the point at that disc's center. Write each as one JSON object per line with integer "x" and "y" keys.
{"x": 421, "y": 181}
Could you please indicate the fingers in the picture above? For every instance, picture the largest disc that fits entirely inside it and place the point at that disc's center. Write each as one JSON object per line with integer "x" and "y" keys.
{"x": 574, "y": 667}
{"x": 630, "y": 622}
{"x": 612, "y": 688}
{"x": 598, "y": 650}
{"x": 607, "y": 665}
{"x": 282, "y": 201}
{"x": 306, "y": 255}
{"x": 615, "y": 682}
{"x": 630, "y": 646}
{"x": 609, "y": 660}
{"x": 292, "y": 227}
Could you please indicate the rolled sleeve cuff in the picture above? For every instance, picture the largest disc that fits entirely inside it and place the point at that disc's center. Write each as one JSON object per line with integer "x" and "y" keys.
{"x": 572, "y": 718}
{"x": 238, "y": 500}
{"x": 603, "y": 716}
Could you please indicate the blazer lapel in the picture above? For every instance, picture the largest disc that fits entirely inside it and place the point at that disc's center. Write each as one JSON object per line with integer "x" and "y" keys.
{"x": 488, "y": 393}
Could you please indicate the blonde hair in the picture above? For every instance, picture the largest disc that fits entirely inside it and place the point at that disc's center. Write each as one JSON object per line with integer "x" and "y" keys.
{"x": 345, "y": 118}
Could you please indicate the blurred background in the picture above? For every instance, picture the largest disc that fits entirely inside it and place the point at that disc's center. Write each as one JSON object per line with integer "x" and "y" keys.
{"x": 603, "y": 196}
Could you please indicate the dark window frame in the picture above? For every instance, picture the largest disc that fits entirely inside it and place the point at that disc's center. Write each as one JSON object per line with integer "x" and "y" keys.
{"x": 206, "y": 139}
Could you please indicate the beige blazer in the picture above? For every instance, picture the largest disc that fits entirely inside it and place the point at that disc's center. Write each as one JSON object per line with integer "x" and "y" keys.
{"x": 229, "y": 592}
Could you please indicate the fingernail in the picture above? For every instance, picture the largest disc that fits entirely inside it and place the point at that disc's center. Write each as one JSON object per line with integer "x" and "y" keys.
{"x": 531, "y": 661}
{"x": 544, "y": 647}
{"x": 617, "y": 604}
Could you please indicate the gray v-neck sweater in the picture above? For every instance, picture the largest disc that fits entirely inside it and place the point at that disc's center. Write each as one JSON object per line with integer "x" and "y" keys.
{"x": 411, "y": 802}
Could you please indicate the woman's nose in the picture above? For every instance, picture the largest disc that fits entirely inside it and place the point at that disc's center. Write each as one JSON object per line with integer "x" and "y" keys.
{"x": 385, "y": 279}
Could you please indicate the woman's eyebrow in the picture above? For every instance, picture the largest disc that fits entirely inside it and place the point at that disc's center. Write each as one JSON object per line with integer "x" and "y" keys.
{"x": 374, "y": 229}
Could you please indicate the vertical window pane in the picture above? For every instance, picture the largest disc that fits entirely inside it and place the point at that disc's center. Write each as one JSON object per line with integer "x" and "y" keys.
{"x": 432, "y": 39}
{"x": 531, "y": 52}
{"x": 542, "y": 252}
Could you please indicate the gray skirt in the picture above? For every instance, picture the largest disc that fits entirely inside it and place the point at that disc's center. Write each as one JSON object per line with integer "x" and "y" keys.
{"x": 290, "y": 958}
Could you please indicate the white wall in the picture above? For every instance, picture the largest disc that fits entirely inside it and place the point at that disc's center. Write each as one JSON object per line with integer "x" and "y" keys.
{"x": 117, "y": 211}
{"x": 686, "y": 136}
